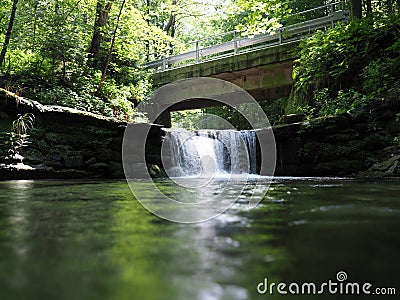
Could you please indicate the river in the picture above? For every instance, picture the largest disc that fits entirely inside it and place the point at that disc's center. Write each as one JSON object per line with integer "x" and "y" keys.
{"x": 93, "y": 240}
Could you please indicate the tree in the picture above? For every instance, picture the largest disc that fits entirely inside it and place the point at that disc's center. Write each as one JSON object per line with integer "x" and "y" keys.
{"x": 356, "y": 8}
{"x": 369, "y": 7}
{"x": 102, "y": 10}
{"x": 9, "y": 31}
{"x": 103, "y": 76}
{"x": 169, "y": 28}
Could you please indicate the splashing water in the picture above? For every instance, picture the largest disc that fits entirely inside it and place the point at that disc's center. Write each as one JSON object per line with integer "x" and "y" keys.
{"x": 210, "y": 152}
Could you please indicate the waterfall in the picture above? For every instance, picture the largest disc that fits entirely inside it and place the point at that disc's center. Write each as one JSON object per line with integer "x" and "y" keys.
{"x": 207, "y": 152}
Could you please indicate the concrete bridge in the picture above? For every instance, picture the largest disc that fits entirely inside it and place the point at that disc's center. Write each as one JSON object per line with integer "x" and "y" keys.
{"x": 264, "y": 73}
{"x": 262, "y": 65}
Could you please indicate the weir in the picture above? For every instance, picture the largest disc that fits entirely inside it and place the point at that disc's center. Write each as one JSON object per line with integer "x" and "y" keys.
{"x": 210, "y": 152}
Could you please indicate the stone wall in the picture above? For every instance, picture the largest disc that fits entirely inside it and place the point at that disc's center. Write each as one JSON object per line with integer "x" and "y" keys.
{"x": 366, "y": 142}
{"x": 66, "y": 143}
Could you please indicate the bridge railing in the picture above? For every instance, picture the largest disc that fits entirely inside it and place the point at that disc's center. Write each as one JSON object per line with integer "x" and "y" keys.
{"x": 332, "y": 13}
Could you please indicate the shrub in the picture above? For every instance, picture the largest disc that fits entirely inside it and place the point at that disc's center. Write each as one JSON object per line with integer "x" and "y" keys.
{"x": 342, "y": 68}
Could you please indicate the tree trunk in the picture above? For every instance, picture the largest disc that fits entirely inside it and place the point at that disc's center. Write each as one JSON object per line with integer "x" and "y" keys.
{"x": 110, "y": 50}
{"x": 389, "y": 5}
{"x": 148, "y": 26}
{"x": 102, "y": 10}
{"x": 170, "y": 25}
{"x": 34, "y": 25}
{"x": 8, "y": 33}
{"x": 169, "y": 28}
{"x": 369, "y": 8}
{"x": 356, "y": 9}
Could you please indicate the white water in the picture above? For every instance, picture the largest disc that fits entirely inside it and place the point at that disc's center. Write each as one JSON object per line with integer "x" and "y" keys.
{"x": 210, "y": 152}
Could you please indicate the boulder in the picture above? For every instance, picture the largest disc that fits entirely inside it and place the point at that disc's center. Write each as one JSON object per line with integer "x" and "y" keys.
{"x": 388, "y": 167}
{"x": 73, "y": 162}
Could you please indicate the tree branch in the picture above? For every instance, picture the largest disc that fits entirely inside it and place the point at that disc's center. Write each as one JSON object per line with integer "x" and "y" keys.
{"x": 103, "y": 76}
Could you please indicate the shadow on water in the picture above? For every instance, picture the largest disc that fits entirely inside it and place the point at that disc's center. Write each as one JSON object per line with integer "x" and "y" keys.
{"x": 92, "y": 240}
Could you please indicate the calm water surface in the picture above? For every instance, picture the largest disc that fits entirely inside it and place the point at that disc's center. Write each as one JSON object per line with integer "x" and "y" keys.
{"x": 93, "y": 240}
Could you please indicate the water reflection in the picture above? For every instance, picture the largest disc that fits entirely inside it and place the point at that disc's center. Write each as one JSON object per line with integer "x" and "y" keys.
{"x": 92, "y": 240}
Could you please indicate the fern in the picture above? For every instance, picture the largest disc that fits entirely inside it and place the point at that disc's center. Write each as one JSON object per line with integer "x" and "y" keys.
{"x": 18, "y": 136}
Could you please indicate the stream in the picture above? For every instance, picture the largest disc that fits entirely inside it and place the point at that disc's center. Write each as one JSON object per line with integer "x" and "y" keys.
{"x": 93, "y": 240}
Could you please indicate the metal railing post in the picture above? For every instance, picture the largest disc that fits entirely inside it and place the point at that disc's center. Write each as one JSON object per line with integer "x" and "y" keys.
{"x": 197, "y": 52}
{"x": 235, "y": 43}
{"x": 164, "y": 65}
{"x": 280, "y": 35}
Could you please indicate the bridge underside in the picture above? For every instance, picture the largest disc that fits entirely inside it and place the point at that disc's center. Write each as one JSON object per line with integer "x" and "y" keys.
{"x": 267, "y": 82}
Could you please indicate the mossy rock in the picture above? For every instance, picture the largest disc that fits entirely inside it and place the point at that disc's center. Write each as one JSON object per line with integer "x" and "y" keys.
{"x": 155, "y": 171}
{"x": 388, "y": 167}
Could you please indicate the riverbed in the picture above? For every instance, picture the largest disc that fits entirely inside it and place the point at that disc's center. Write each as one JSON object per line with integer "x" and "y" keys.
{"x": 94, "y": 240}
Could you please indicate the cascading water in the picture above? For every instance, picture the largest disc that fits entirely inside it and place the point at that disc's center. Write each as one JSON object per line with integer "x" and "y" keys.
{"x": 206, "y": 152}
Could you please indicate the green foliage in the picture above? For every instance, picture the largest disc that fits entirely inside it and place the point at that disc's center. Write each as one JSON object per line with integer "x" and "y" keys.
{"x": 304, "y": 109}
{"x": 62, "y": 96}
{"x": 231, "y": 115}
{"x": 260, "y": 16}
{"x": 346, "y": 101}
{"x": 188, "y": 119}
{"x": 18, "y": 136}
{"x": 253, "y": 17}
{"x": 222, "y": 117}
{"x": 47, "y": 59}
{"x": 343, "y": 68}
{"x": 274, "y": 109}
{"x": 383, "y": 73}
